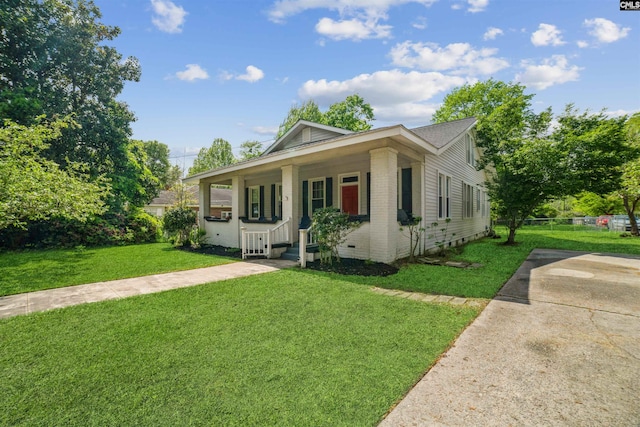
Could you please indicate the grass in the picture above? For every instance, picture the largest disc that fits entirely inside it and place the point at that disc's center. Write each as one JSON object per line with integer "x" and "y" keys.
{"x": 283, "y": 348}
{"x": 32, "y": 270}
{"x": 499, "y": 261}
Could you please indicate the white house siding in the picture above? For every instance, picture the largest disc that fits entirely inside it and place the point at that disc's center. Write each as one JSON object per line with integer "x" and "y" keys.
{"x": 222, "y": 233}
{"x": 316, "y": 135}
{"x": 357, "y": 243}
{"x": 452, "y": 162}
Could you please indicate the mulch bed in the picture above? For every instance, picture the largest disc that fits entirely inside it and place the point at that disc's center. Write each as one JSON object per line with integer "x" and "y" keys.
{"x": 346, "y": 266}
{"x": 355, "y": 267}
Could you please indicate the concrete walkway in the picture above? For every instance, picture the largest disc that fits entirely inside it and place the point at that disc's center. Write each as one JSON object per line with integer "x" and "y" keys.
{"x": 559, "y": 346}
{"x": 31, "y": 302}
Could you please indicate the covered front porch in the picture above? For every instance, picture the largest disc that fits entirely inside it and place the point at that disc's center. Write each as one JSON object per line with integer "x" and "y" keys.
{"x": 274, "y": 197}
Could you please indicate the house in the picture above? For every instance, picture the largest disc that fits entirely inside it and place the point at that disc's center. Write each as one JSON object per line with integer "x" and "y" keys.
{"x": 219, "y": 201}
{"x": 380, "y": 177}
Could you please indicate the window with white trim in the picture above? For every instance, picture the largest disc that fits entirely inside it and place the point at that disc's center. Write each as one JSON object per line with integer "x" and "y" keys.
{"x": 467, "y": 200}
{"x": 478, "y": 199}
{"x": 317, "y": 194}
{"x": 444, "y": 196}
{"x": 254, "y": 202}
{"x": 470, "y": 149}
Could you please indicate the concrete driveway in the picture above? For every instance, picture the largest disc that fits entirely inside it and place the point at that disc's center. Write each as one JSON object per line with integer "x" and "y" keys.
{"x": 560, "y": 345}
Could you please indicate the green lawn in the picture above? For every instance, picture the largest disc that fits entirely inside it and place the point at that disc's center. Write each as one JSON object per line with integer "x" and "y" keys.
{"x": 283, "y": 348}
{"x": 500, "y": 262}
{"x": 32, "y": 270}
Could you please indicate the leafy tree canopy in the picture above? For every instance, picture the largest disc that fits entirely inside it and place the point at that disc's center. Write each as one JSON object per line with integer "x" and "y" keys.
{"x": 158, "y": 163}
{"x": 33, "y": 188}
{"x": 250, "y": 150}
{"x": 218, "y": 155}
{"x": 629, "y": 189}
{"x": 592, "y": 204}
{"x": 520, "y": 161}
{"x": 353, "y": 114}
{"x": 54, "y": 61}
{"x": 528, "y": 164}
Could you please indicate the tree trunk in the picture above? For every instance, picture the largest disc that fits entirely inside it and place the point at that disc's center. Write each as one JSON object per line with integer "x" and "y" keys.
{"x": 630, "y": 207}
{"x": 513, "y": 225}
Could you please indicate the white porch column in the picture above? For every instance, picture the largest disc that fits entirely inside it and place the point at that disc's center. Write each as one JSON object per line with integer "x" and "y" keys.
{"x": 384, "y": 227}
{"x": 237, "y": 205}
{"x": 290, "y": 198}
{"x": 204, "y": 200}
{"x": 418, "y": 196}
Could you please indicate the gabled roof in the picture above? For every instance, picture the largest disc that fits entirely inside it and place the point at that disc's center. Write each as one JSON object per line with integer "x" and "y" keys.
{"x": 432, "y": 139}
{"x": 287, "y": 138}
{"x": 441, "y": 134}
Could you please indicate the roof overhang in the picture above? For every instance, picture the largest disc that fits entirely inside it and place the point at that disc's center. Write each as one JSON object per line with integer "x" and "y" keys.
{"x": 397, "y": 133}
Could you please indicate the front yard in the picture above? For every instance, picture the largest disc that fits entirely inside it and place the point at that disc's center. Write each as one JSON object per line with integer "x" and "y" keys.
{"x": 33, "y": 270}
{"x": 295, "y": 347}
{"x": 284, "y": 348}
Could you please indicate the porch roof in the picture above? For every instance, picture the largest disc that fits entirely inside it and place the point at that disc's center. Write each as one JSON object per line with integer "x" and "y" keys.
{"x": 419, "y": 141}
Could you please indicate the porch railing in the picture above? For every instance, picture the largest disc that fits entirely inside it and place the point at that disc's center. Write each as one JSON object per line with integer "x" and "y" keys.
{"x": 306, "y": 238}
{"x": 280, "y": 234}
{"x": 260, "y": 243}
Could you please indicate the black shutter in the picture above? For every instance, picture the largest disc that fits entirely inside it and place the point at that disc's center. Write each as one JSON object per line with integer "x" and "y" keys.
{"x": 329, "y": 185}
{"x": 407, "y": 203}
{"x": 246, "y": 202}
{"x": 262, "y": 201}
{"x": 273, "y": 200}
{"x": 368, "y": 193}
{"x": 305, "y": 198}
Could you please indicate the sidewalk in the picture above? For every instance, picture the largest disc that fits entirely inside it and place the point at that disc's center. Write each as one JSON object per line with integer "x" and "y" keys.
{"x": 14, "y": 305}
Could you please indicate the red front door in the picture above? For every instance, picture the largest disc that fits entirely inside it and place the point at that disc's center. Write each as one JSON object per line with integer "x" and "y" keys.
{"x": 349, "y": 199}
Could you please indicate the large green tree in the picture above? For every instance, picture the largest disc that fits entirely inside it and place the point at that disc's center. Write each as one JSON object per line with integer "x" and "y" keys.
{"x": 629, "y": 189}
{"x": 33, "y": 188}
{"x": 353, "y": 114}
{"x": 520, "y": 161}
{"x": 54, "y": 60}
{"x": 308, "y": 110}
{"x": 219, "y": 154}
{"x": 250, "y": 150}
{"x": 158, "y": 163}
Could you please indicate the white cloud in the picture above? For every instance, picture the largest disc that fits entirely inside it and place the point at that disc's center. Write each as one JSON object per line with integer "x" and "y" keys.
{"x": 618, "y": 113}
{"x": 552, "y": 71}
{"x": 477, "y": 5}
{"x": 606, "y": 31}
{"x": 359, "y": 19}
{"x": 420, "y": 23}
{"x": 167, "y": 16}
{"x": 547, "y": 34}
{"x": 252, "y": 75}
{"x": 353, "y": 29}
{"x": 265, "y": 130}
{"x": 192, "y": 73}
{"x": 582, "y": 44}
{"x": 492, "y": 33}
{"x": 459, "y": 58}
{"x": 395, "y": 95}
{"x": 283, "y": 9}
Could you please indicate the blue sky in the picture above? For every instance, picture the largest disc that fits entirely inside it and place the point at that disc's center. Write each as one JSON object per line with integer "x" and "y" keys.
{"x": 232, "y": 68}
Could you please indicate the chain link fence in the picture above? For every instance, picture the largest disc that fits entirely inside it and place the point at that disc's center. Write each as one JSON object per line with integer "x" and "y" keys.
{"x": 617, "y": 223}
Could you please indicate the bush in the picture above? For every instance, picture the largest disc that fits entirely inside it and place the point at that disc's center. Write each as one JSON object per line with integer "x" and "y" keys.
{"x": 331, "y": 228}
{"x": 178, "y": 223}
{"x": 110, "y": 229}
